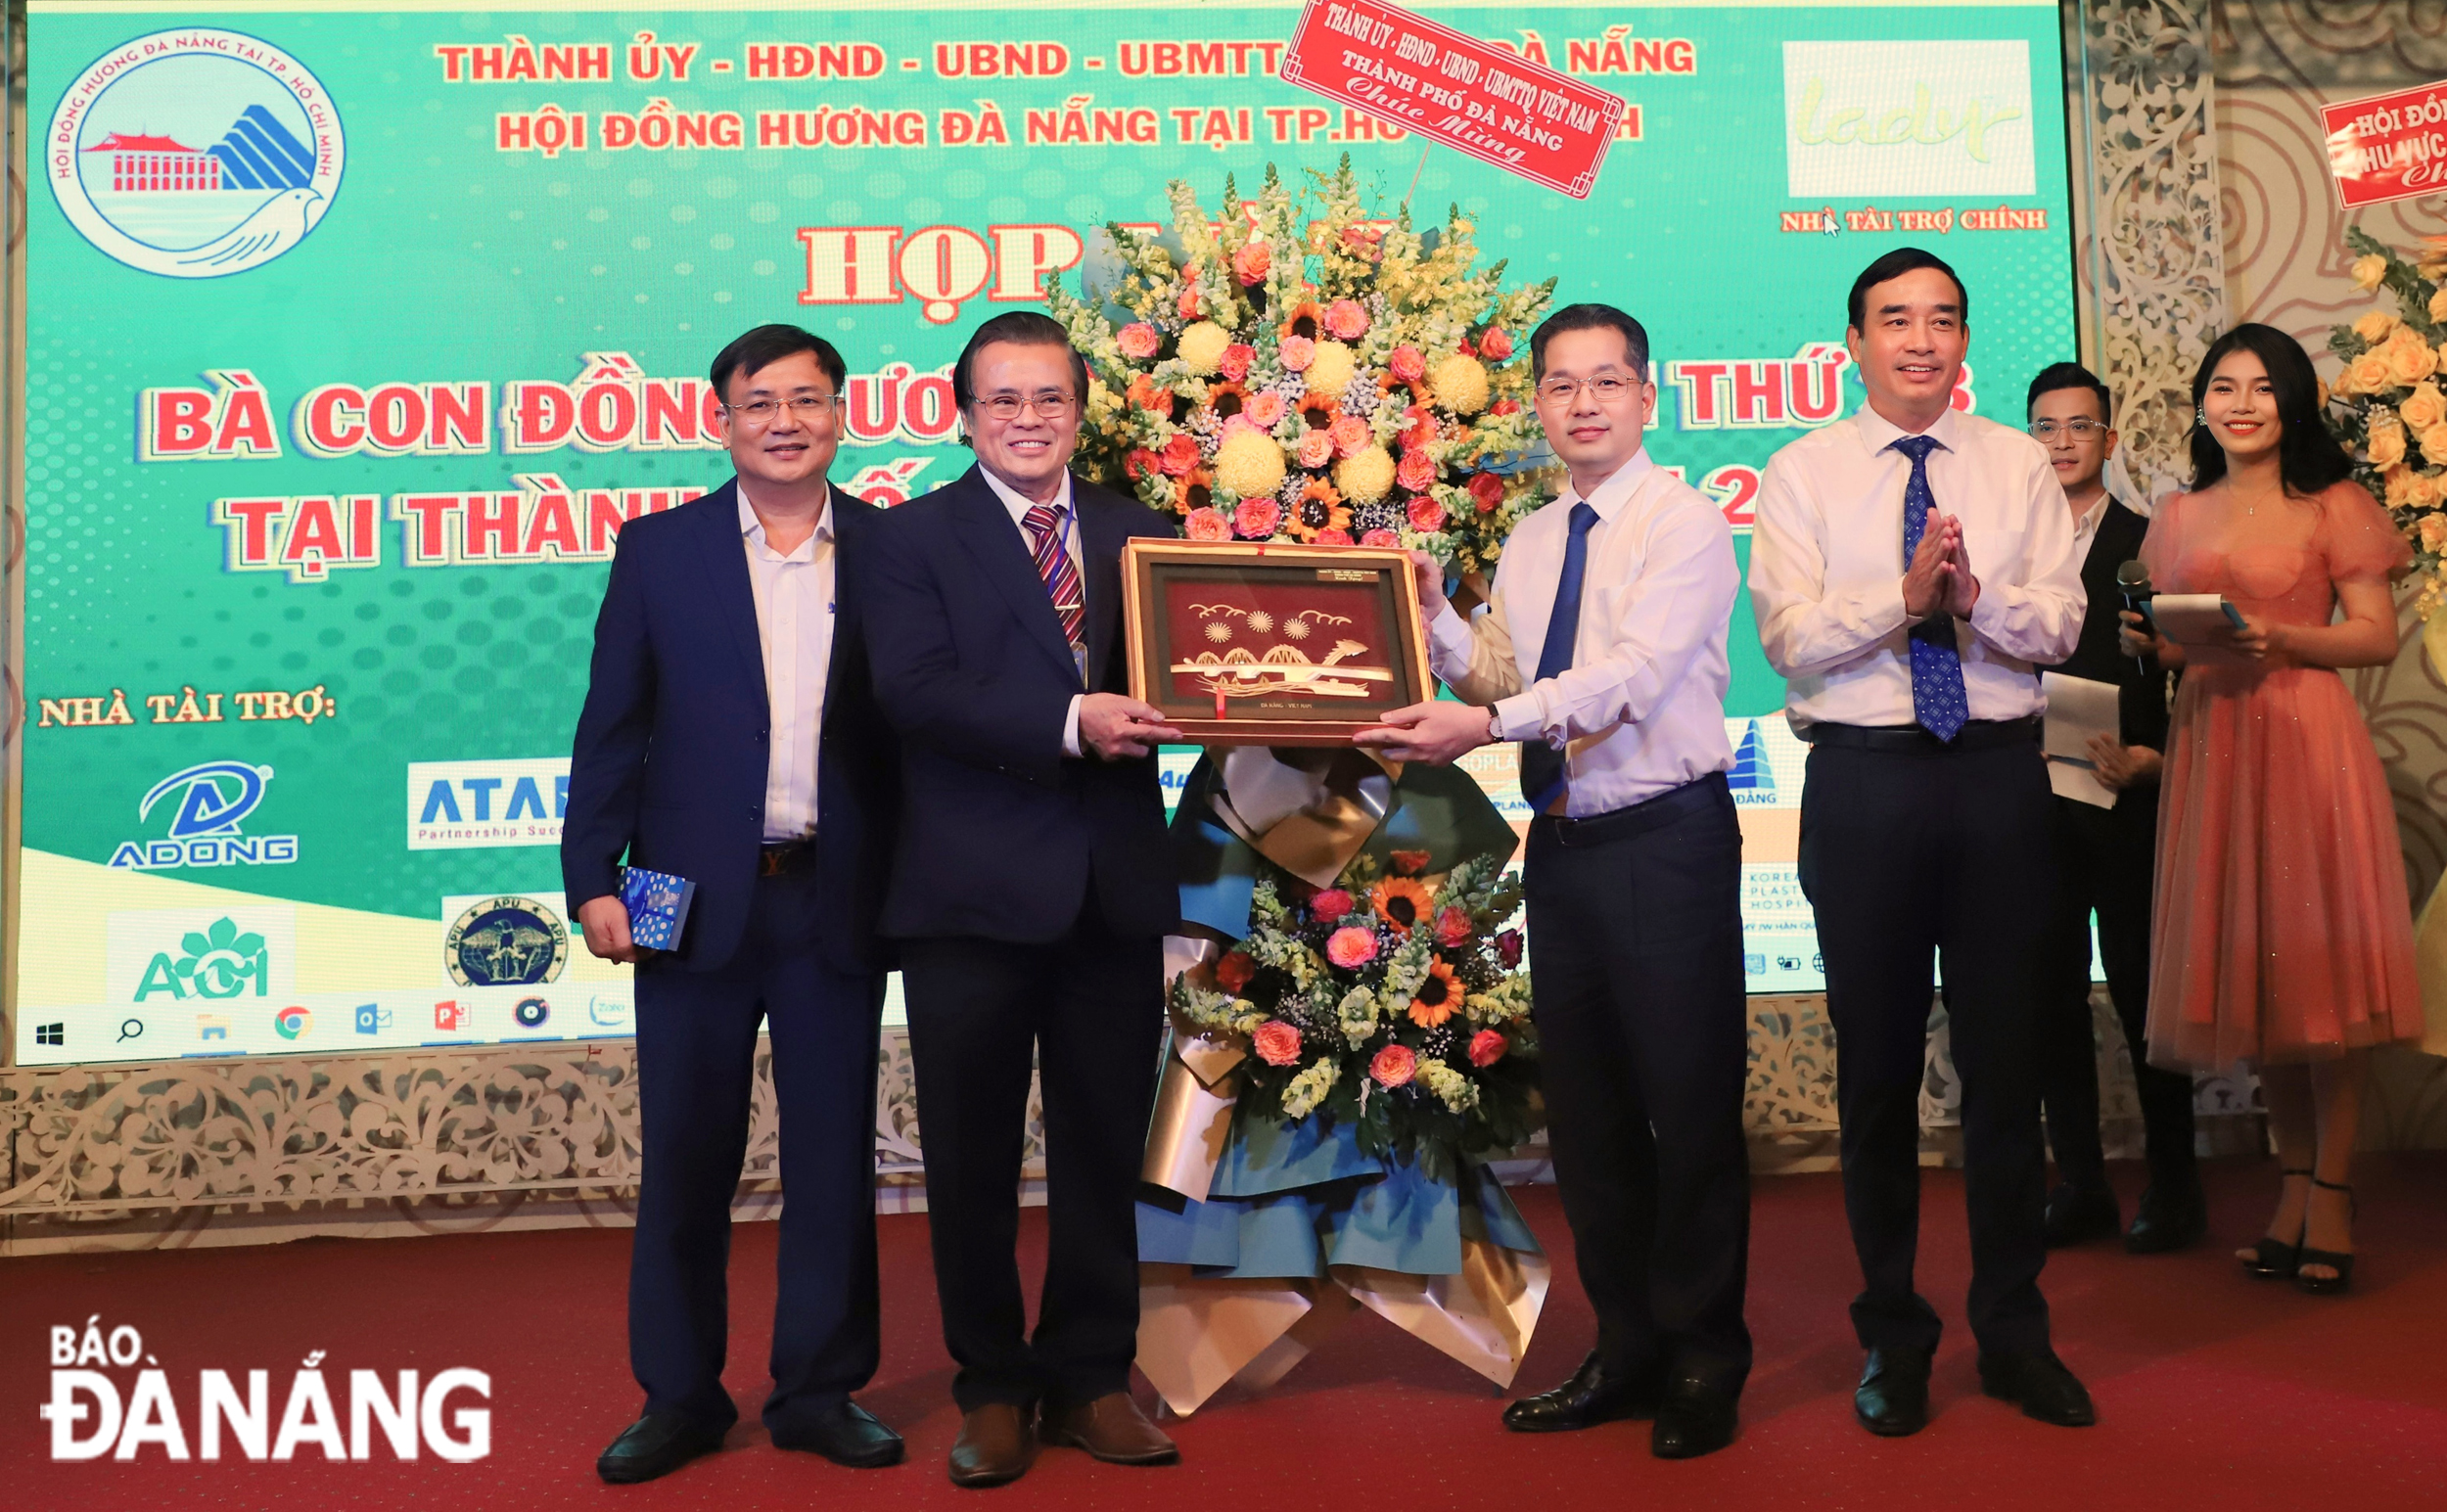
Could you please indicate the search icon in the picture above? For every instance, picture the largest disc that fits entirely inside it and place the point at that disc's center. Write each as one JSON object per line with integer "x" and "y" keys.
{"x": 130, "y": 1028}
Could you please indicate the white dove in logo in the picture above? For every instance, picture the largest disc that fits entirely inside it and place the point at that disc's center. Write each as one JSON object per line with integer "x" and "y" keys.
{"x": 280, "y": 223}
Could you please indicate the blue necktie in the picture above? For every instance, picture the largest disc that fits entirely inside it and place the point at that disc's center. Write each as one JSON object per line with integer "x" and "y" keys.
{"x": 1938, "y": 701}
{"x": 1542, "y": 764}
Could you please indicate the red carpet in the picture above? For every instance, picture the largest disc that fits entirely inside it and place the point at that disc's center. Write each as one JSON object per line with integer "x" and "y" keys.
{"x": 2213, "y": 1391}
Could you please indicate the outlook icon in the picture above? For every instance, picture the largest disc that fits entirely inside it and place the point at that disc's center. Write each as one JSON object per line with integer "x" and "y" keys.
{"x": 372, "y": 1018}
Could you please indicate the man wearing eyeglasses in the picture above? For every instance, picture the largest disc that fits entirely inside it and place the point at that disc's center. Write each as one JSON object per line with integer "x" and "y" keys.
{"x": 1603, "y": 653}
{"x": 1031, "y": 891}
{"x": 2105, "y": 864}
{"x": 730, "y": 737}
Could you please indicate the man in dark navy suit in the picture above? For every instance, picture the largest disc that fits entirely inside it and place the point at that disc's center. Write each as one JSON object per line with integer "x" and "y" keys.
{"x": 1031, "y": 891}
{"x": 730, "y": 737}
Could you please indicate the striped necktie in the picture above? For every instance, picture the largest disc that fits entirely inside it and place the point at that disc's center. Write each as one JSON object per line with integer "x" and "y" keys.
{"x": 1053, "y": 563}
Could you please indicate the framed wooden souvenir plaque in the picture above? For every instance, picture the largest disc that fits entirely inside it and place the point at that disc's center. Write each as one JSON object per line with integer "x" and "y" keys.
{"x": 1243, "y": 643}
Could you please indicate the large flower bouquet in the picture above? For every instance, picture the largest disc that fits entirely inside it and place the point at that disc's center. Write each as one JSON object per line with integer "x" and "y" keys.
{"x": 2387, "y": 407}
{"x": 1321, "y": 377}
{"x": 1391, "y": 999}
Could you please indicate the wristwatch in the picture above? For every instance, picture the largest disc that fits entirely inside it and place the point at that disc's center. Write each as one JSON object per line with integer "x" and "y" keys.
{"x": 1493, "y": 734}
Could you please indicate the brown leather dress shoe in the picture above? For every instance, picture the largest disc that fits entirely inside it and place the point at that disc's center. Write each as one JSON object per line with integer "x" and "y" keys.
{"x": 995, "y": 1447}
{"x": 1111, "y": 1429}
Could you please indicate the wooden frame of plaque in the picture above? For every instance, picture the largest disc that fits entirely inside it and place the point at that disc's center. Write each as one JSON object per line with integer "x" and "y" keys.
{"x": 1242, "y": 643}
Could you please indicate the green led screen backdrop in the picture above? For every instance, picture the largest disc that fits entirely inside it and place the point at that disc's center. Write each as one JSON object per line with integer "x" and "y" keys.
{"x": 354, "y": 334}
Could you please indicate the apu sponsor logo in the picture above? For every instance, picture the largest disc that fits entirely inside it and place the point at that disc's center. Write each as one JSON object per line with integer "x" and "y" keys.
{"x": 1907, "y": 118}
{"x": 206, "y": 804}
{"x": 466, "y": 805}
{"x": 195, "y": 153}
{"x": 91, "y": 1415}
{"x": 509, "y": 940}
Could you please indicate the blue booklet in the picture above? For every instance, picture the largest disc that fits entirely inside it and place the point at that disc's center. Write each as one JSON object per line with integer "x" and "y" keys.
{"x": 658, "y": 905}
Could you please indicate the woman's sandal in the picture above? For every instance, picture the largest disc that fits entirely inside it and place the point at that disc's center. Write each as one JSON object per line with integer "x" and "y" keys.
{"x": 2341, "y": 1263}
{"x": 2274, "y": 1259}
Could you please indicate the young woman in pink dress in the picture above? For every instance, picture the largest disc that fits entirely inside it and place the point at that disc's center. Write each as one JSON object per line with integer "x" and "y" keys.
{"x": 2283, "y": 937}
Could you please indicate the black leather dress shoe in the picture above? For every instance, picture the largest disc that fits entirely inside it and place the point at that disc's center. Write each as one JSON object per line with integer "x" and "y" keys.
{"x": 2077, "y": 1215}
{"x": 2040, "y": 1385}
{"x": 1591, "y": 1397}
{"x": 2167, "y": 1219}
{"x": 1693, "y": 1418}
{"x": 1892, "y": 1399}
{"x": 655, "y": 1446}
{"x": 843, "y": 1432}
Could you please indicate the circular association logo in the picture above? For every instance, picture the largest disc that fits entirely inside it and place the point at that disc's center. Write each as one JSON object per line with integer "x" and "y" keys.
{"x": 506, "y": 943}
{"x": 531, "y": 1012}
{"x": 293, "y": 1023}
{"x": 195, "y": 153}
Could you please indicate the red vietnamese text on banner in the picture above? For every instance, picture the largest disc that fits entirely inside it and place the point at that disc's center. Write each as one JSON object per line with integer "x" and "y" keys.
{"x": 1426, "y": 77}
{"x": 2388, "y": 147}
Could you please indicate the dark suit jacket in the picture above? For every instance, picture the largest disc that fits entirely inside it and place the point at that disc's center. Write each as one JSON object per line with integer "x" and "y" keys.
{"x": 2142, "y": 700}
{"x": 669, "y": 766}
{"x": 1000, "y": 834}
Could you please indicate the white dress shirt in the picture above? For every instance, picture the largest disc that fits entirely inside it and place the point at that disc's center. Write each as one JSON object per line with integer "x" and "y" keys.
{"x": 1826, "y": 569}
{"x": 1019, "y": 505}
{"x": 1642, "y": 710}
{"x": 794, "y": 597}
{"x": 2086, "y": 526}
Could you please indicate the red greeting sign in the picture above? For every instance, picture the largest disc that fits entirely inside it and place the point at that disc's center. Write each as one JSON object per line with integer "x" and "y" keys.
{"x": 1423, "y": 77}
{"x": 2388, "y": 147}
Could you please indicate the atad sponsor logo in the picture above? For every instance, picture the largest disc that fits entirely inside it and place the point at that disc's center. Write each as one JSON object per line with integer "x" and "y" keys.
{"x": 1907, "y": 118}
{"x": 469, "y": 806}
{"x": 204, "y": 808}
{"x": 507, "y": 941}
{"x": 102, "y": 1402}
{"x": 195, "y": 153}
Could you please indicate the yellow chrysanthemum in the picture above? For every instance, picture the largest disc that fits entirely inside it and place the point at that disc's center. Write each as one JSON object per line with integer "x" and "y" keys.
{"x": 1460, "y": 385}
{"x": 1249, "y": 461}
{"x": 1364, "y": 477}
{"x": 1202, "y": 346}
{"x": 1331, "y": 369}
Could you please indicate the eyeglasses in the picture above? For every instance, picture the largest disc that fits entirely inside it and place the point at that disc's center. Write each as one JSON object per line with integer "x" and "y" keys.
{"x": 1051, "y": 404}
{"x": 2079, "y": 429}
{"x": 760, "y": 412}
{"x": 1562, "y": 391}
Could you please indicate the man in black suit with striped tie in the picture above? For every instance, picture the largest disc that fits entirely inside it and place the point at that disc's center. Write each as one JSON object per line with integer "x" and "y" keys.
{"x": 1031, "y": 891}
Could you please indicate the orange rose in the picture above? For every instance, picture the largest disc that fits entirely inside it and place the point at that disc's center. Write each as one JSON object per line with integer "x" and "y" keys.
{"x": 2435, "y": 445}
{"x": 2410, "y": 358}
{"x": 1137, "y": 341}
{"x": 1316, "y": 449}
{"x": 1278, "y": 1043}
{"x": 2423, "y": 408}
{"x": 1487, "y": 1047}
{"x": 1251, "y": 262}
{"x": 1209, "y": 524}
{"x": 1394, "y": 1066}
{"x": 1180, "y": 454}
{"x": 2388, "y": 446}
{"x": 2366, "y": 374}
{"x": 1350, "y": 433}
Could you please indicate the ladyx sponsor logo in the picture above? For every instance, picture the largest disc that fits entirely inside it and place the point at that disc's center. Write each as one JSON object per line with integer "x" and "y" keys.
{"x": 91, "y": 1415}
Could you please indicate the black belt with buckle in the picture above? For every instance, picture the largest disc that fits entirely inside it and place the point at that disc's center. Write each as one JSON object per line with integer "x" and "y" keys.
{"x": 1911, "y": 739}
{"x": 785, "y": 857}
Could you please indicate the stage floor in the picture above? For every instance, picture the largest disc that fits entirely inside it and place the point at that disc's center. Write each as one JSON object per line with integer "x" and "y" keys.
{"x": 2213, "y": 1391}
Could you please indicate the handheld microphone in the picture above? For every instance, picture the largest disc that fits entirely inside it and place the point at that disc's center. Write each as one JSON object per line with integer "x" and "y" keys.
{"x": 2132, "y": 581}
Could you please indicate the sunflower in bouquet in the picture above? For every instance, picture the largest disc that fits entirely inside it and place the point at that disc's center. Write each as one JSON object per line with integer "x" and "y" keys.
{"x": 1392, "y": 1000}
{"x": 2389, "y": 408}
{"x": 1312, "y": 374}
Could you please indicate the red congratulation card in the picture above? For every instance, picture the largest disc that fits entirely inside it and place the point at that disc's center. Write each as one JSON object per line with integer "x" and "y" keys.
{"x": 1422, "y": 75}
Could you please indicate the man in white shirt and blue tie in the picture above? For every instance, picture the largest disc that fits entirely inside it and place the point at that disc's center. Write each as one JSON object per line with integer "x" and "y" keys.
{"x": 1911, "y": 566}
{"x": 1603, "y": 653}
